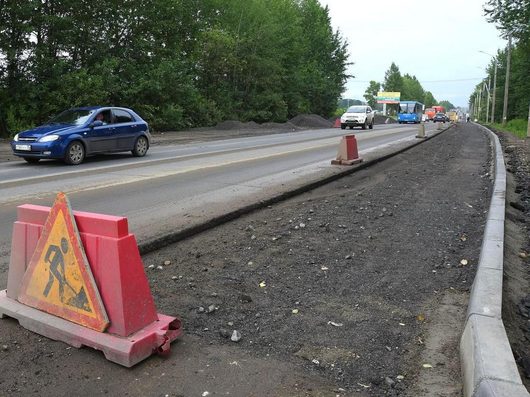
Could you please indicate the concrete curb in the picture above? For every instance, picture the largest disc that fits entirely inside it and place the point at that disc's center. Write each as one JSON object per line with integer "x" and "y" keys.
{"x": 159, "y": 242}
{"x": 488, "y": 365}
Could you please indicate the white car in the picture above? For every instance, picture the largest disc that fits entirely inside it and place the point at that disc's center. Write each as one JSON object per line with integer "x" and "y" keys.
{"x": 359, "y": 115}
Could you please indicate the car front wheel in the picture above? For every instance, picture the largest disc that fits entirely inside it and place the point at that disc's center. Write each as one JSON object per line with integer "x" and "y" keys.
{"x": 371, "y": 126}
{"x": 75, "y": 153}
{"x": 140, "y": 147}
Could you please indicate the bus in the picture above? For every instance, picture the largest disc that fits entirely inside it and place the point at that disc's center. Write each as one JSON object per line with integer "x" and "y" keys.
{"x": 410, "y": 112}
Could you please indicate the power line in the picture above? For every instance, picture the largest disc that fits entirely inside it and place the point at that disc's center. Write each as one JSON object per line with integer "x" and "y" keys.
{"x": 430, "y": 81}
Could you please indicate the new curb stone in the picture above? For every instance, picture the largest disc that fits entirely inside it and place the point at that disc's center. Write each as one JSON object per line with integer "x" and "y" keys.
{"x": 488, "y": 365}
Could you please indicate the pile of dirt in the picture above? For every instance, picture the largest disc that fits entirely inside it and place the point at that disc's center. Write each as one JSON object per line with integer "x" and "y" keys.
{"x": 280, "y": 126}
{"x": 236, "y": 125}
{"x": 379, "y": 119}
{"x": 298, "y": 122}
{"x": 311, "y": 121}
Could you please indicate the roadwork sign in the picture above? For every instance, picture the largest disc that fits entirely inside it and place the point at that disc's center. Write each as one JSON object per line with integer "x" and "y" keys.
{"x": 58, "y": 279}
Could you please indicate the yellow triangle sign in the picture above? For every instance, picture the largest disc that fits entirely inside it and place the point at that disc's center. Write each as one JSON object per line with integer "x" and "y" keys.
{"x": 58, "y": 279}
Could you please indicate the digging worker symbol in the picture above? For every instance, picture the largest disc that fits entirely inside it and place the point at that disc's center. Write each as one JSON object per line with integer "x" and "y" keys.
{"x": 54, "y": 256}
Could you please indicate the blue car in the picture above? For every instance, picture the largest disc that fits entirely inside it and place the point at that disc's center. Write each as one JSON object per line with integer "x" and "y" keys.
{"x": 80, "y": 132}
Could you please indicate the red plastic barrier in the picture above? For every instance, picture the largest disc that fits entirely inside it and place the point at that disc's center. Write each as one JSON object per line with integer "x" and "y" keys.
{"x": 135, "y": 330}
{"x": 348, "y": 153}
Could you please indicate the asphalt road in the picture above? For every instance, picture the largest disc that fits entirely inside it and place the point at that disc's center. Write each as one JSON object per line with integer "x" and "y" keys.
{"x": 178, "y": 185}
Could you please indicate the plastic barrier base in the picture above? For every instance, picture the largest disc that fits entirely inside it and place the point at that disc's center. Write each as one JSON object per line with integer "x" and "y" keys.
{"x": 127, "y": 351}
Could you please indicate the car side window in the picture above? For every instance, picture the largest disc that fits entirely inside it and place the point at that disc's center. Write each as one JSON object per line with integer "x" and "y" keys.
{"x": 104, "y": 116}
{"x": 121, "y": 116}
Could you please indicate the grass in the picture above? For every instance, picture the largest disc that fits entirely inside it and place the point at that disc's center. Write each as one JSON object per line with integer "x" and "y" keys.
{"x": 517, "y": 127}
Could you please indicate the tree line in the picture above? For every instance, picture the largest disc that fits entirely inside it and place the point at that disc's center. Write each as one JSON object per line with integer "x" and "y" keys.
{"x": 178, "y": 63}
{"x": 409, "y": 87}
{"x": 512, "y": 19}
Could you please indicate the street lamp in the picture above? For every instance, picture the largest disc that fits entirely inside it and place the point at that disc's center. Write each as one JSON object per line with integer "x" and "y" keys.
{"x": 494, "y": 85}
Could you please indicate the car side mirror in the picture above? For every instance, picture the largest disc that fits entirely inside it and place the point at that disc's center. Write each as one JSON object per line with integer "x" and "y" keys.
{"x": 96, "y": 123}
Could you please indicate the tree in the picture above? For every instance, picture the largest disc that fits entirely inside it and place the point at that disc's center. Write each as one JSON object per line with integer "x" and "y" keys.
{"x": 412, "y": 89}
{"x": 511, "y": 16}
{"x": 428, "y": 99}
{"x": 371, "y": 93}
{"x": 447, "y": 105}
{"x": 179, "y": 63}
{"x": 393, "y": 80}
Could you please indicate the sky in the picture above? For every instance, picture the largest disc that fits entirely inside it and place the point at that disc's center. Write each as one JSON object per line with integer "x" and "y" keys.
{"x": 438, "y": 42}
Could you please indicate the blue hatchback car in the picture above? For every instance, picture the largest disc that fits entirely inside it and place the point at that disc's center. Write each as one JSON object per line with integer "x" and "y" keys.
{"x": 80, "y": 132}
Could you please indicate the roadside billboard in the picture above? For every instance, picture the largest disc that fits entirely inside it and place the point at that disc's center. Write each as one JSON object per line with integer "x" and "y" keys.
{"x": 388, "y": 97}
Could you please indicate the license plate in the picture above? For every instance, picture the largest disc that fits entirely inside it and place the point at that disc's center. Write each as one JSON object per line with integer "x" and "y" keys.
{"x": 23, "y": 147}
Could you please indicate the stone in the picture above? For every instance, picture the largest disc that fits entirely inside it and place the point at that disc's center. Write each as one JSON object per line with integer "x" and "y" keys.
{"x": 224, "y": 333}
{"x": 236, "y": 336}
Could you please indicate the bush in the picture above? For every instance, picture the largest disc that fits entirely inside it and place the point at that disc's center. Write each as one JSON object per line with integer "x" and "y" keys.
{"x": 518, "y": 127}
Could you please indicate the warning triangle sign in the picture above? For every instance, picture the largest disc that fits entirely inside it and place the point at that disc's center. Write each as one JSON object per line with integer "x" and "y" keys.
{"x": 58, "y": 279}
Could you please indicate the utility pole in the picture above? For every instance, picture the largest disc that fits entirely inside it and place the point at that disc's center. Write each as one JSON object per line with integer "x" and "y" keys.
{"x": 507, "y": 82}
{"x": 494, "y": 90}
{"x": 494, "y": 84}
{"x": 488, "y": 102}
{"x": 528, "y": 128}
{"x": 479, "y": 100}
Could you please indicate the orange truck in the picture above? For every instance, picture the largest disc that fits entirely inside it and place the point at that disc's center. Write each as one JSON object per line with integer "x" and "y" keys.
{"x": 429, "y": 113}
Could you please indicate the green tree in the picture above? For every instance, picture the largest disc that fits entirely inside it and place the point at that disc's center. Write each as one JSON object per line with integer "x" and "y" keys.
{"x": 393, "y": 81}
{"x": 428, "y": 100}
{"x": 510, "y": 16}
{"x": 447, "y": 105}
{"x": 371, "y": 93}
{"x": 179, "y": 63}
{"x": 412, "y": 89}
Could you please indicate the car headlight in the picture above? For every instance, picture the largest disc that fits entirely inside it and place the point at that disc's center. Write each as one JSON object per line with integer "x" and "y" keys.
{"x": 49, "y": 138}
{"x": 15, "y": 138}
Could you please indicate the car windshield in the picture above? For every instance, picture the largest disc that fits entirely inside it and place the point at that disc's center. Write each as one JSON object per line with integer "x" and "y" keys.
{"x": 356, "y": 109}
{"x": 72, "y": 116}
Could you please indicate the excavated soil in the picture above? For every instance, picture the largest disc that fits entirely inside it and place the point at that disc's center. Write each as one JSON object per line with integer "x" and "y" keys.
{"x": 353, "y": 281}
{"x": 516, "y": 285}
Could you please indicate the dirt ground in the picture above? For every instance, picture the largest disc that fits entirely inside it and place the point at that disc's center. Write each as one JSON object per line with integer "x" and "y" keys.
{"x": 350, "y": 280}
{"x": 357, "y": 288}
{"x": 516, "y": 294}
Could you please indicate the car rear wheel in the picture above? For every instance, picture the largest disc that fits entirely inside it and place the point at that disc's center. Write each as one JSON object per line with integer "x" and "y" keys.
{"x": 140, "y": 147}
{"x": 75, "y": 153}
